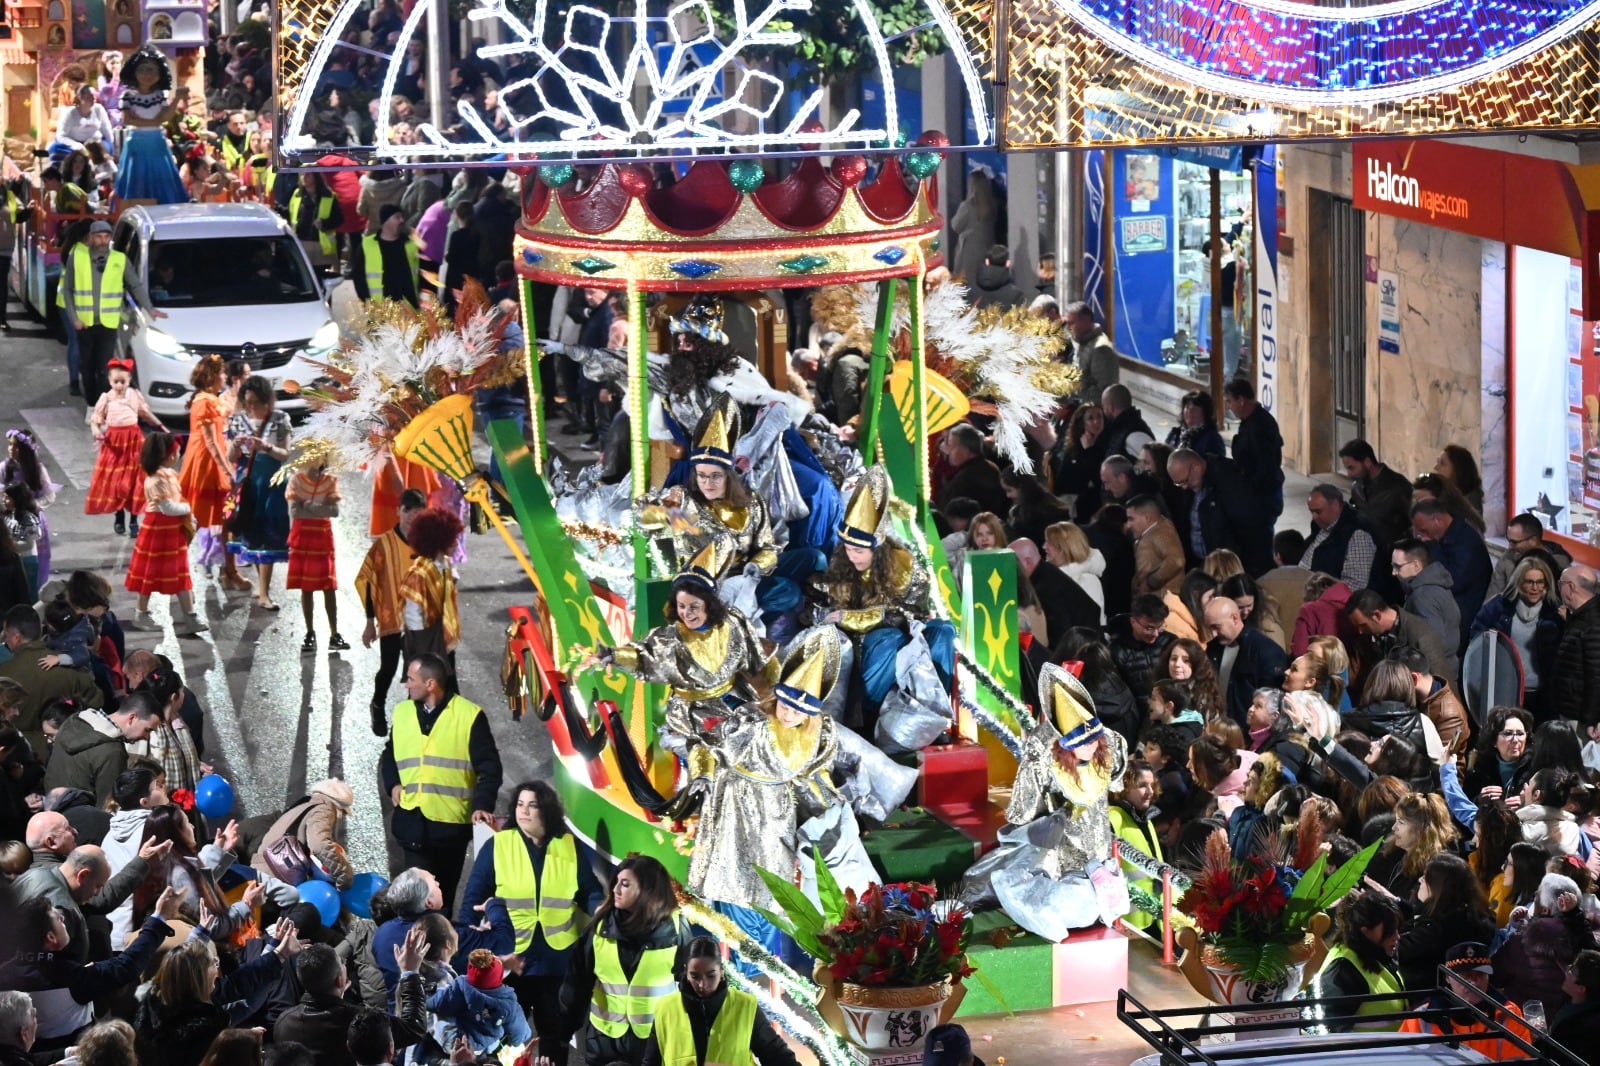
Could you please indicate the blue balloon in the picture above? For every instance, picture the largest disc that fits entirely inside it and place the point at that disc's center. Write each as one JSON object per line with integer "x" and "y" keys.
{"x": 322, "y": 896}
{"x": 358, "y": 897}
{"x": 213, "y": 796}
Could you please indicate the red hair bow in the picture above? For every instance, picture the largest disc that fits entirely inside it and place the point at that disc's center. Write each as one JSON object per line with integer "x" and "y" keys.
{"x": 120, "y": 364}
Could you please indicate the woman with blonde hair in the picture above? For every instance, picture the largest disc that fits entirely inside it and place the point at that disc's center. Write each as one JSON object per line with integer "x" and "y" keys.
{"x": 1529, "y": 614}
{"x": 188, "y": 1003}
{"x": 1222, "y": 564}
{"x": 1067, "y": 547}
{"x": 1422, "y": 829}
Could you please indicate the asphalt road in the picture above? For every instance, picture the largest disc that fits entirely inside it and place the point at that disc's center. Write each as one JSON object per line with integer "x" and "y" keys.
{"x": 276, "y": 720}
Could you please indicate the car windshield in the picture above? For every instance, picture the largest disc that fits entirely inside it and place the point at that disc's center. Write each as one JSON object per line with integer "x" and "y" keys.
{"x": 229, "y": 272}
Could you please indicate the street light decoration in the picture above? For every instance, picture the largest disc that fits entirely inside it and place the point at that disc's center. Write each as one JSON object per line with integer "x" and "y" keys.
{"x": 693, "y": 76}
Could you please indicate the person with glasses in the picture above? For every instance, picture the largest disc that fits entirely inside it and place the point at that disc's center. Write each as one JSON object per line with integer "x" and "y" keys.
{"x": 1525, "y": 537}
{"x": 1427, "y": 585}
{"x": 1501, "y": 764}
{"x": 1528, "y": 613}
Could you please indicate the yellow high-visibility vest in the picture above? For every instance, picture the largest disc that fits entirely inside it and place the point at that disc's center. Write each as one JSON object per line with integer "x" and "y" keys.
{"x": 232, "y": 157}
{"x": 620, "y": 1003}
{"x": 436, "y": 775}
{"x": 1382, "y": 982}
{"x": 729, "y": 1042}
{"x": 107, "y": 311}
{"x": 372, "y": 256}
{"x": 534, "y": 902}
{"x": 326, "y": 239}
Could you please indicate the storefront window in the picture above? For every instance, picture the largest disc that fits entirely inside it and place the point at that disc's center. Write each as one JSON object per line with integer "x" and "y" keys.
{"x": 1161, "y": 266}
{"x": 1556, "y": 461}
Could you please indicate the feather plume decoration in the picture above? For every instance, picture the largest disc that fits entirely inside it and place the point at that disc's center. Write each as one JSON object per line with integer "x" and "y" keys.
{"x": 1006, "y": 361}
{"x": 400, "y": 362}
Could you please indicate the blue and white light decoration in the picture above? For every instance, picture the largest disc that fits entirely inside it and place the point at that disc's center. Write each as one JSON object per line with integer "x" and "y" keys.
{"x": 1306, "y": 55}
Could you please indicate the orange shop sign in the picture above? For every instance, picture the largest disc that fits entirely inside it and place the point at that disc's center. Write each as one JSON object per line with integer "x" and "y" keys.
{"x": 1433, "y": 182}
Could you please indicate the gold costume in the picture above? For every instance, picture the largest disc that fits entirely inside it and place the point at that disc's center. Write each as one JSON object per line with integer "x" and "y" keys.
{"x": 741, "y": 534}
{"x": 767, "y": 780}
{"x": 866, "y": 525}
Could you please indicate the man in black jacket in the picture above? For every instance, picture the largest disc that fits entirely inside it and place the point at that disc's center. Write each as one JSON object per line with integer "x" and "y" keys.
{"x": 1378, "y": 494}
{"x": 1218, "y": 514}
{"x": 321, "y": 1020}
{"x": 1246, "y": 659}
{"x": 1122, "y": 421}
{"x": 1577, "y": 675}
{"x": 1138, "y": 644}
{"x": 1063, "y": 601}
{"x": 1257, "y": 446}
{"x": 973, "y": 476}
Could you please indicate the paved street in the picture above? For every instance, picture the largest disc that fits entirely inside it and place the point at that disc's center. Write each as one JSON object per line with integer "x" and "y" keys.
{"x": 277, "y": 719}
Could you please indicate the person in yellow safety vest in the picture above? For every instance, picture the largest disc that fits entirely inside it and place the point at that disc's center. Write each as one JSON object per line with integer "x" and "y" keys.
{"x": 1360, "y": 962}
{"x": 623, "y": 965}
{"x": 442, "y": 771}
{"x": 234, "y": 144}
{"x": 709, "y": 1023}
{"x": 1132, "y": 812}
{"x": 545, "y": 876}
{"x": 314, "y": 215}
{"x": 386, "y": 264}
{"x": 95, "y": 281}
{"x": 1470, "y": 968}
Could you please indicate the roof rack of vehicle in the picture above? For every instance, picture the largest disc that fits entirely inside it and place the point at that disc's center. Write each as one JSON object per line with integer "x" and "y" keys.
{"x": 1186, "y": 1036}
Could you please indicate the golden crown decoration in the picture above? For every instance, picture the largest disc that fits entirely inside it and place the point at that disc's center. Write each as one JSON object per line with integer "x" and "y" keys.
{"x": 724, "y": 225}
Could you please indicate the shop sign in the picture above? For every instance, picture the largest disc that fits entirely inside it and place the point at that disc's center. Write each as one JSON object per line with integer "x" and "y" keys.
{"x": 1148, "y": 233}
{"x": 1440, "y": 184}
{"x": 1388, "y": 312}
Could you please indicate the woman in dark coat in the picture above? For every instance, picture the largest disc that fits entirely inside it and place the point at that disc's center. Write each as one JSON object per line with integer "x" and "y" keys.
{"x": 1529, "y": 614}
{"x": 1533, "y": 961}
{"x": 1501, "y": 763}
{"x": 1451, "y": 910}
{"x": 1075, "y": 461}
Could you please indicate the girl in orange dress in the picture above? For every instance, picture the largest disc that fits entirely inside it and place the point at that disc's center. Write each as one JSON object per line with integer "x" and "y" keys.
{"x": 206, "y": 475}
{"x": 160, "y": 560}
{"x": 115, "y": 487}
{"x": 313, "y": 497}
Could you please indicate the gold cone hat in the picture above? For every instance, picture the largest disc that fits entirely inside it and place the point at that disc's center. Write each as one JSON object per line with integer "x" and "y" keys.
{"x": 706, "y": 566}
{"x": 715, "y": 436}
{"x": 810, "y": 670}
{"x": 865, "y": 514}
{"x": 1065, "y": 702}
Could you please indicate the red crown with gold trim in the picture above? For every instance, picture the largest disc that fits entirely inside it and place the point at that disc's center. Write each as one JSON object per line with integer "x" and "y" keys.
{"x": 724, "y": 226}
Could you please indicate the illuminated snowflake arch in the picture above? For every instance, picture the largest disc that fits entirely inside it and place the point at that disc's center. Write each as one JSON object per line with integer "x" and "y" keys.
{"x": 601, "y": 82}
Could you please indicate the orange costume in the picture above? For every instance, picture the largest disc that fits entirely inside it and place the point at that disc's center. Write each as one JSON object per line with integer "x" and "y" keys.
{"x": 432, "y": 616}
{"x": 1493, "y": 1048}
{"x": 378, "y": 582}
{"x": 313, "y": 501}
{"x": 396, "y": 476}
{"x": 206, "y": 478}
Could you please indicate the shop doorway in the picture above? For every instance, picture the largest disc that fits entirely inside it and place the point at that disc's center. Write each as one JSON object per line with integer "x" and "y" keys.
{"x": 1347, "y": 319}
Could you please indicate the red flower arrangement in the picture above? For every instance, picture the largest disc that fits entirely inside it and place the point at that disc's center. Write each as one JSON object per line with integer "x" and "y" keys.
{"x": 183, "y": 797}
{"x": 894, "y": 936}
{"x": 1254, "y": 910}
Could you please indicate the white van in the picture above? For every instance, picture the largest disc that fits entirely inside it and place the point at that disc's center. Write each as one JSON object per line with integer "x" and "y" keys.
{"x": 233, "y": 281}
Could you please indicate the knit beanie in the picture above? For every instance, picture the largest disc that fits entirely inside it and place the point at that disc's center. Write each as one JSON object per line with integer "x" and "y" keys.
{"x": 484, "y": 971}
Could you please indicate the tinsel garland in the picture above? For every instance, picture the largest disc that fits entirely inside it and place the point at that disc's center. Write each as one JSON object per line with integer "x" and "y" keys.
{"x": 1144, "y": 901}
{"x": 1150, "y": 866}
{"x": 981, "y": 678}
{"x": 998, "y": 729}
{"x": 801, "y": 989}
{"x": 805, "y": 1024}
{"x": 595, "y": 533}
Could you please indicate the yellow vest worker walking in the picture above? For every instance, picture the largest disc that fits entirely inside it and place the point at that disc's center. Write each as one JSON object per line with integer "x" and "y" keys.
{"x": 623, "y": 966}
{"x": 545, "y": 877}
{"x": 95, "y": 281}
{"x": 387, "y": 264}
{"x": 709, "y": 1023}
{"x": 442, "y": 771}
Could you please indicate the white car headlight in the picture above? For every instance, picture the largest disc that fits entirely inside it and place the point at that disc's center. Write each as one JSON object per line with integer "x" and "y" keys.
{"x": 325, "y": 339}
{"x": 164, "y": 344}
